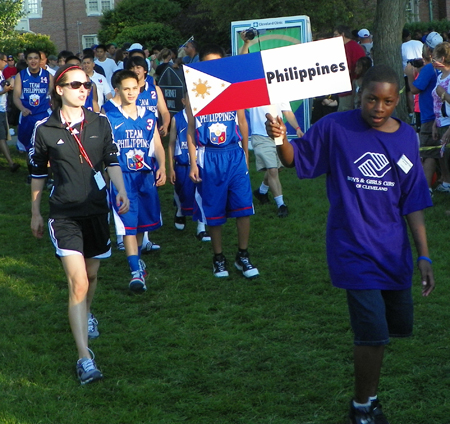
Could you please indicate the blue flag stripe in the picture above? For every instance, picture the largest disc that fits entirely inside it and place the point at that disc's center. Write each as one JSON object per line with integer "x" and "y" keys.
{"x": 233, "y": 69}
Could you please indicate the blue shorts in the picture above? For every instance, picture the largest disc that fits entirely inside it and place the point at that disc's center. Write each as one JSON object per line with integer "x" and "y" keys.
{"x": 376, "y": 315}
{"x": 145, "y": 211}
{"x": 25, "y": 130}
{"x": 225, "y": 190}
{"x": 185, "y": 189}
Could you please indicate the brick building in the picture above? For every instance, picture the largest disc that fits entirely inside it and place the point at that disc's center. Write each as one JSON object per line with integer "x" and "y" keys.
{"x": 428, "y": 10}
{"x": 71, "y": 24}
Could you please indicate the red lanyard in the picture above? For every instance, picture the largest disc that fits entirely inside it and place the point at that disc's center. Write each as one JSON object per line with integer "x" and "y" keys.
{"x": 80, "y": 146}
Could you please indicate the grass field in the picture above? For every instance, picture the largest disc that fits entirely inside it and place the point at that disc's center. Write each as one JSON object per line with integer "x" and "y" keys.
{"x": 197, "y": 349}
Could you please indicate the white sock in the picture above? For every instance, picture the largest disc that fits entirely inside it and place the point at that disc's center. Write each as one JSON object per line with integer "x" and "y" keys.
{"x": 200, "y": 227}
{"x": 279, "y": 200}
{"x": 373, "y": 398}
{"x": 365, "y": 406}
{"x": 145, "y": 239}
{"x": 179, "y": 213}
{"x": 263, "y": 189}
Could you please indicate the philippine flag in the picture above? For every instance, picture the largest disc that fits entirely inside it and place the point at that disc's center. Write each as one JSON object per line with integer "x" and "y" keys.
{"x": 273, "y": 76}
{"x": 223, "y": 84}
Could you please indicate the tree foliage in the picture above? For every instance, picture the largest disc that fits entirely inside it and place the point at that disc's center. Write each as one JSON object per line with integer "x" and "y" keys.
{"x": 149, "y": 35}
{"x": 20, "y": 42}
{"x": 129, "y": 14}
{"x": 10, "y": 13}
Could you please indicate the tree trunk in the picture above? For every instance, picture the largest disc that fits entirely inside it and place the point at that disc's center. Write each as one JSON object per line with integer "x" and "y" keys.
{"x": 390, "y": 19}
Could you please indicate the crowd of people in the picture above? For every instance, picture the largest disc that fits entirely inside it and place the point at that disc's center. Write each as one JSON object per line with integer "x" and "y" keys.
{"x": 92, "y": 125}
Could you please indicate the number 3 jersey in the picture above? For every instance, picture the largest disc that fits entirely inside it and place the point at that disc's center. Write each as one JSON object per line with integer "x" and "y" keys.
{"x": 134, "y": 139}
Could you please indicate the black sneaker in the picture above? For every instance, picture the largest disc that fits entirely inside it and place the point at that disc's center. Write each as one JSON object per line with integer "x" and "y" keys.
{"x": 263, "y": 198}
{"x": 380, "y": 418}
{"x": 361, "y": 416}
{"x": 243, "y": 264}
{"x": 179, "y": 222}
{"x": 203, "y": 236}
{"x": 283, "y": 211}
{"x": 220, "y": 266}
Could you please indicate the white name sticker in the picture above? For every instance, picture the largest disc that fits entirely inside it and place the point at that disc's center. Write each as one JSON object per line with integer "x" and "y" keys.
{"x": 405, "y": 164}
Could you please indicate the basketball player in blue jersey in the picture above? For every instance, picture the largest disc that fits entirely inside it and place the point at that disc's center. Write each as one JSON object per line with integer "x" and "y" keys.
{"x": 31, "y": 95}
{"x": 150, "y": 95}
{"x": 221, "y": 173}
{"x": 138, "y": 144}
{"x": 184, "y": 188}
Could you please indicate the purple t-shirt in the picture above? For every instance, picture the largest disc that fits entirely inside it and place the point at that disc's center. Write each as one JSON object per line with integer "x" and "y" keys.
{"x": 373, "y": 179}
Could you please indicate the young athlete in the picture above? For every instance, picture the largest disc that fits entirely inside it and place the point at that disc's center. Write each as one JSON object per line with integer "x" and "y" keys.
{"x": 184, "y": 188}
{"x": 220, "y": 170}
{"x": 138, "y": 143}
{"x": 79, "y": 145}
{"x": 31, "y": 95}
{"x": 374, "y": 181}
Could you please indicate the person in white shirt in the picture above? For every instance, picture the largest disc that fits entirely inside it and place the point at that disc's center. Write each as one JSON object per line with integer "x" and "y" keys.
{"x": 103, "y": 88}
{"x": 108, "y": 65}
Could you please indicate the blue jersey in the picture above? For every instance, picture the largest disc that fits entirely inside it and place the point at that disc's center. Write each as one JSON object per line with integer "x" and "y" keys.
{"x": 181, "y": 154}
{"x": 89, "y": 103}
{"x": 148, "y": 96}
{"x": 35, "y": 88}
{"x": 109, "y": 106}
{"x": 134, "y": 139}
{"x": 217, "y": 129}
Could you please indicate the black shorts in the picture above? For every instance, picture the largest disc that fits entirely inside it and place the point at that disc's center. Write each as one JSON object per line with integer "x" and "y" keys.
{"x": 87, "y": 236}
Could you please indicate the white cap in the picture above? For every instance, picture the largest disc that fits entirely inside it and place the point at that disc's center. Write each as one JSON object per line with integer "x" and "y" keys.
{"x": 363, "y": 33}
{"x": 135, "y": 46}
{"x": 433, "y": 39}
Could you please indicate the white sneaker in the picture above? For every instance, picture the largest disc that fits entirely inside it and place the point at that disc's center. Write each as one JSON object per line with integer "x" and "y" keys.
{"x": 443, "y": 188}
{"x": 150, "y": 247}
{"x": 137, "y": 283}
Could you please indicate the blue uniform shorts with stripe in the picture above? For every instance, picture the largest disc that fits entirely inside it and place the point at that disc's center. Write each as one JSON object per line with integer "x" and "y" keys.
{"x": 225, "y": 190}
{"x": 376, "y": 315}
{"x": 184, "y": 189}
{"x": 25, "y": 130}
{"x": 145, "y": 211}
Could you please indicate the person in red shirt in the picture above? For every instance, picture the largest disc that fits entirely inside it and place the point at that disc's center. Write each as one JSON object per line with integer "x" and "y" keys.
{"x": 11, "y": 69}
{"x": 353, "y": 51}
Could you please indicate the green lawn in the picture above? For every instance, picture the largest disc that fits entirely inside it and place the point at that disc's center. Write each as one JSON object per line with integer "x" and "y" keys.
{"x": 197, "y": 349}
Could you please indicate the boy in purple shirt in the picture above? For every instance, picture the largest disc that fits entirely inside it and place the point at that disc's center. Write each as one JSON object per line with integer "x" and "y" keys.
{"x": 374, "y": 180}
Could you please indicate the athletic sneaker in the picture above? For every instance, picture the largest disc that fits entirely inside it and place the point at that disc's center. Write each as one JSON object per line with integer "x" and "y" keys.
{"x": 243, "y": 264}
{"x": 92, "y": 327}
{"x": 263, "y": 198}
{"x": 150, "y": 247}
{"x": 14, "y": 167}
{"x": 203, "y": 236}
{"x": 87, "y": 370}
{"x": 283, "y": 211}
{"x": 120, "y": 246}
{"x": 380, "y": 418}
{"x": 220, "y": 267}
{"x": 443, "y": 188}
{"x": 361, "y": 416}
{"x": 137, "y": 283}
{"x": 142, "y": 268}
{"x": 179, "y": 222}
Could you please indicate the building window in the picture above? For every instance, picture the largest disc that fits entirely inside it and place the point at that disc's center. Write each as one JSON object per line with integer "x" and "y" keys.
{"x": 32, "y": 8}
{"x": 89, "y": 40}
{"x": 97, "y": 7}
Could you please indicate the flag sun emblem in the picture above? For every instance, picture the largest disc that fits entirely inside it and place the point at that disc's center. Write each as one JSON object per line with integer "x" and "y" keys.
{"x": 201, "y": 88}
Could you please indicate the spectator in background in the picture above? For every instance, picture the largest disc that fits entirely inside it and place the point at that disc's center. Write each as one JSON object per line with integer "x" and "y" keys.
{"x": 411, "y": 49}
{"x": 53, "y": 62}
{"x": 111, "y": 50}
{"x": 11, "y": 69}
{"x": 108, "y": 65}
{"x": 97, "y": 68}
{"x": 191, "y": 48}
{"x": 365, "y": 41}
{"x": 353, "y": 51}
{"x": 165, "y": 60}
{"x": 62, "y": 56}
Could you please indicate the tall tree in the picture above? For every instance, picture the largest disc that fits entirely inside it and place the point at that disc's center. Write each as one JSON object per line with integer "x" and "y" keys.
{"x": 390, "y": 19}
{"x": 10, "y": 13}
